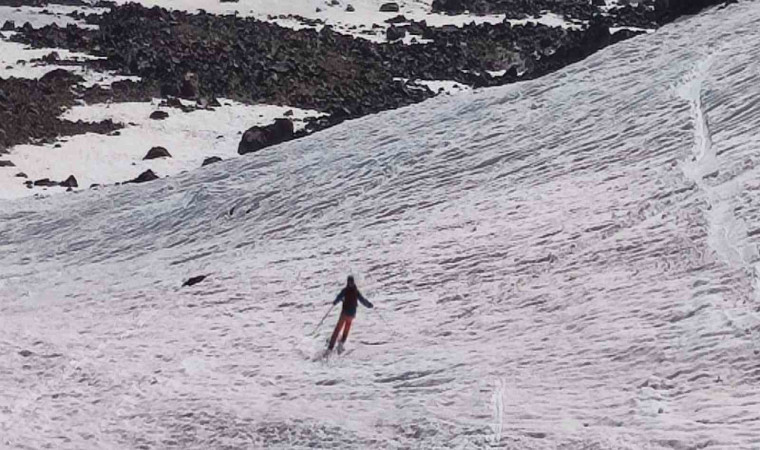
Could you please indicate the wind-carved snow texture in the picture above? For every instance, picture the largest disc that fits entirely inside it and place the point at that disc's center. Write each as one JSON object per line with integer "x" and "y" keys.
{"x": 567, "y": 263}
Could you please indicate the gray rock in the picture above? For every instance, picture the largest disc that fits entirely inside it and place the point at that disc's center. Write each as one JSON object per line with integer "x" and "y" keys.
{"x": 256, "y": 138}
{"x": 70, "y": 182}
{"x": 389, "y": 7}
{"x": 157, "y": 152}
{"x": 146, "y": 176}
{"x": 190, "y": 88}
{"x": 159, "y": 115}
{"x": 211, "y": 160}
{"x": 395, "y": 33}
{"x": 45, "y": 182}
{"x": 194, "y": 280}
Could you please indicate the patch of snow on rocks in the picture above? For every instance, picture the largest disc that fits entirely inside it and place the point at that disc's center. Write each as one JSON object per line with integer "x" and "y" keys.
{"x": 106, "y": 159}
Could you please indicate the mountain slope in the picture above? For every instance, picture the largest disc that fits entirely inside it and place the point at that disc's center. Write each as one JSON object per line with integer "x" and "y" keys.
{"x": 569, "y": 262}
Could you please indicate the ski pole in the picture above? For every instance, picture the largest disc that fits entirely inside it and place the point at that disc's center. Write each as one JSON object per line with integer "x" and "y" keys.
{"x": 323, "y": 319}
{"x": 386, "y": 322}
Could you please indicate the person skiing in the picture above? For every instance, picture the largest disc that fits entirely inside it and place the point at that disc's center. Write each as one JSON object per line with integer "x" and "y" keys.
{"x": 348, "y": 295}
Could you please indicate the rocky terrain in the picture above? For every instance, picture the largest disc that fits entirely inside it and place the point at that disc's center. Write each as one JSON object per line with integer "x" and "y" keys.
{"x": 201, "y": 56}
{"x": 29, "y": 109}
{"x": 645, "y": 13}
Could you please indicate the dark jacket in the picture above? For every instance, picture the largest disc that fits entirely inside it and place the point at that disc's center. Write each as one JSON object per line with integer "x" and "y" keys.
{"x": 349, "y": 295}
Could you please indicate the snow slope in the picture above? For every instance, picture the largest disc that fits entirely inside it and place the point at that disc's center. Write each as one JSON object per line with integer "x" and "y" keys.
{"x": 567, "y": 263}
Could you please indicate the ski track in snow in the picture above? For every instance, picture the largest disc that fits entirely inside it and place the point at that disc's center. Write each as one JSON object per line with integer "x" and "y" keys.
{"x": 569, "y": 262}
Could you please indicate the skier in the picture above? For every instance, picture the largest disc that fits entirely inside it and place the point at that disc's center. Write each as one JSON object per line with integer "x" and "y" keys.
{"x": 348, "y": 295}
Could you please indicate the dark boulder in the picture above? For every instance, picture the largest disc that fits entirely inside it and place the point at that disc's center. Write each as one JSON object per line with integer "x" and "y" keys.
{"x": 9, "y": 25}
{"x": 417, "y": 28}
{"x": 174, "y": 103}
{"x": 397, "y": 19}
{"x": 159, "y": 115}
{"x": 668, "y": 10}
{"x": 194, "y": 280}
{"x": 211, "y": 160}
{"x": 70, "y": 182}
{"x": 169, "y": 89}
{"x": 62, "y": 76}
{"x": 45, "y": 182}
{"x": 148, "y": 175}
{"x": 448, "y": 6}
{"x": 256, "y": 138}
{"x": 190, "y": 88}
{"x": 21, "y": 175}
{"x": 6, "y": 164}
{"x": 395, "y": 33}
{"x": 157, "y": 152}
{"x": 389, "y": 7}
{"x": 350, "y": 8}
{"x": 51, "y": 58}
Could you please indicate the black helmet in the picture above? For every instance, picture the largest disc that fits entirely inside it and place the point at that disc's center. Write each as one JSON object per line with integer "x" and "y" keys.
{"x": 350, "y": 280}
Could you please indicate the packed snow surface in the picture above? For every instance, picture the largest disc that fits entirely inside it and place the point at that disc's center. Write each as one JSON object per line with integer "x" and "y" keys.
{"x": 569, "y": 262}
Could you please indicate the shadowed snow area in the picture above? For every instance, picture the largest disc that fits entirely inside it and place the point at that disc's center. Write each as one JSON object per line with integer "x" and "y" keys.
{"x": 568, "y": 263}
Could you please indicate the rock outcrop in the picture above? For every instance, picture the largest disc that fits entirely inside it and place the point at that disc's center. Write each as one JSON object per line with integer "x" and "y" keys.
{"x": 157, "y": 152}
{"x": 211, "y": 160}
{"x": 159, "y": 115}
{"x": 144, "y": 177}
{"x": 194, "y": 280}
{"x": 70, "y": 182}
{"x": 257, "y": 138}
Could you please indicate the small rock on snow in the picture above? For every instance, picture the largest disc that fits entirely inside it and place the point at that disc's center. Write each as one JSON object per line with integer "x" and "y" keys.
{"x": 159, "y": 115}
{"x": 194, "y": 280}
{"x": 157, "y": 152}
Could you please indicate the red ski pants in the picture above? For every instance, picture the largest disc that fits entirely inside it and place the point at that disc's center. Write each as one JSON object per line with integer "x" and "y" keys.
{"x": 345, "y": 323}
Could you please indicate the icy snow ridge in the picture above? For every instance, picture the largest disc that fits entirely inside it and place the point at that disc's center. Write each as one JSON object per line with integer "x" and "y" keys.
{"x": 569, "y": 262}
